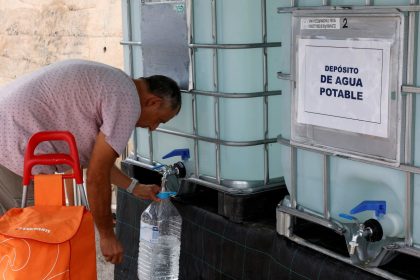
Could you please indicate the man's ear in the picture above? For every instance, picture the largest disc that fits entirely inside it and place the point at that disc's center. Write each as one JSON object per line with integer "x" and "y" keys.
{"x": 154, "y": 101}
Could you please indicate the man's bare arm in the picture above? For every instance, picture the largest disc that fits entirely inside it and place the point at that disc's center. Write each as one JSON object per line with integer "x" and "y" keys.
{"x": 98, "y": 183}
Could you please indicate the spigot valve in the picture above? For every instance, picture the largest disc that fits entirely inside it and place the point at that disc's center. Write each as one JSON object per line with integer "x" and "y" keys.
{"x": 353, "y": 245}
{"x": 362, "y": 232}
{"x": 179, "y": 168}
{"x": 374, "y": 231}
{"x": 371, "y": 229}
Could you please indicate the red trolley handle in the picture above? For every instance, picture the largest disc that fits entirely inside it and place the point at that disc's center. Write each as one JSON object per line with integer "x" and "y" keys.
{"x": 71, "y": 159}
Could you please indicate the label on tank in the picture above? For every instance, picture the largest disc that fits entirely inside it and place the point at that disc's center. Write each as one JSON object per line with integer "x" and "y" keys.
{"x": 344, "y": 84}
{"x": 320, "y": 23}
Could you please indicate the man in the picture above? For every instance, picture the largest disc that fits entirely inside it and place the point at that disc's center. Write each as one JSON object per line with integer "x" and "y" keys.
{"x": 100, "y": 105}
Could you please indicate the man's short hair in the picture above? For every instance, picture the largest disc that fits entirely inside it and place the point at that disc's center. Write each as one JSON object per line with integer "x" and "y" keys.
{"x": 165, "y": 88}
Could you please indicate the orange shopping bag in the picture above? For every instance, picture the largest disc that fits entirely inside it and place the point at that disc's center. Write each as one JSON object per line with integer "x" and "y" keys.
{"x": 48, "y": 240}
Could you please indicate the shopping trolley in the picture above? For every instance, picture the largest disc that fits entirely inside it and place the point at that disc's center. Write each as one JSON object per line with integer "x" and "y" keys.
{"x": 49, "y": 240}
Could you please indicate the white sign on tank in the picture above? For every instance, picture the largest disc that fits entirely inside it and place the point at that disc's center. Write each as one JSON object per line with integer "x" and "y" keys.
{"x": 344, "y": 84}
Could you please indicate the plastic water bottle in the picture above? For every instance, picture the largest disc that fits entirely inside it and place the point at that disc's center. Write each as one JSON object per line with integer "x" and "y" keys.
{"x": 160, "y": 240}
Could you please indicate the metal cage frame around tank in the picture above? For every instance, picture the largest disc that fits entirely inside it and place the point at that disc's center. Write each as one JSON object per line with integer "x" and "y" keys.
{"x": 408, "y": 90}
{"x": 217, "y": 182}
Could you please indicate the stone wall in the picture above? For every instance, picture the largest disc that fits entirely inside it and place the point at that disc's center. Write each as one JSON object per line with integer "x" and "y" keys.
{"x": 34, "y": 33}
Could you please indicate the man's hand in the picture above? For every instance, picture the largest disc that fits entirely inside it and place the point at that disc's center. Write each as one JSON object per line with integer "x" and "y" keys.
{"x": 140, "y": 190}
{"x": 111, "y": 249}
{"x": 147, "y": 191}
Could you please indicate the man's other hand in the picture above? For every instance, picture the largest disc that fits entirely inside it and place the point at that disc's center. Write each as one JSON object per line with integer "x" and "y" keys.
{"x": 112, "y": 249}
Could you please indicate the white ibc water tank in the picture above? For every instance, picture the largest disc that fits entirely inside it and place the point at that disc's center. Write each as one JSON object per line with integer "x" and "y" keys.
{"x": 236, "y": 51}
{"x": 333, "y": 169}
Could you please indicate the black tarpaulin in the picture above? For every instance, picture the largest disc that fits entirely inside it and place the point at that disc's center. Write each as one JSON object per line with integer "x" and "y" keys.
{"x": 214, "y": 248}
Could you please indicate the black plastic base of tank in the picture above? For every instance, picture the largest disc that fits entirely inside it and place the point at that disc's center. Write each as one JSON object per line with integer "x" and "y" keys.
{"x": 235, "y": 207}
{"x": 252, "y": 206}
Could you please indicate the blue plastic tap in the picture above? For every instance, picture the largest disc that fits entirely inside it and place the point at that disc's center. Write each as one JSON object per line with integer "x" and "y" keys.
{"x": 184, "y": 153}
{"x": 379, "y": 206}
